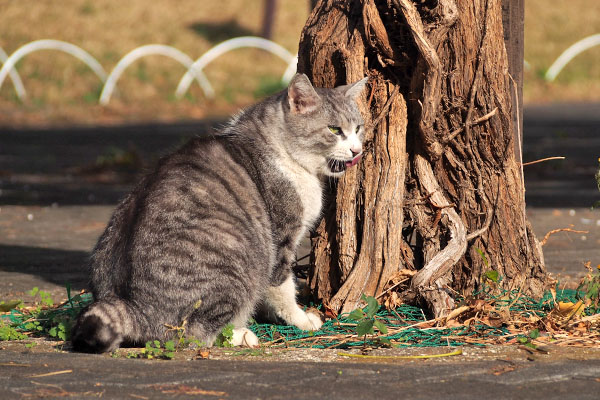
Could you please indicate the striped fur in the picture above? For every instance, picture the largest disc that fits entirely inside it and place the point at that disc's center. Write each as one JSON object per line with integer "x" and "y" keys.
{"x": 213, "y": 230}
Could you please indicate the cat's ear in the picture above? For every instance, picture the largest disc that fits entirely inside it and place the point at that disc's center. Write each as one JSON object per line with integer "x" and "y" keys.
{"x": 302, "y": 96}
{"x": 353, "y": 90}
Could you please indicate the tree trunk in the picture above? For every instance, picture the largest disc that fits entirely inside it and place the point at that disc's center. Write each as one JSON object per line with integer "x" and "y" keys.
{"x": 438, "y": 196}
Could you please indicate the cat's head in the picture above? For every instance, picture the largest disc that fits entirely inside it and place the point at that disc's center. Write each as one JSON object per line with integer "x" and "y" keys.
{"x": 325, "y": 130}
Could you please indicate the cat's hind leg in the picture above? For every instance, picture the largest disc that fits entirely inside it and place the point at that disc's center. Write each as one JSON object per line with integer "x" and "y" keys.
{"x": 282, "y": 299}
{"x": 209, "y": 319}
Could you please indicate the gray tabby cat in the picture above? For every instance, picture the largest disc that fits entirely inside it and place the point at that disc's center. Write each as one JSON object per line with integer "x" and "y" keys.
{"x": 212, "y": 232}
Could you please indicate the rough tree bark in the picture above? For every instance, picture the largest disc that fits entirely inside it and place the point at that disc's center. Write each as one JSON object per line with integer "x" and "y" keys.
{"x": 438, "y": 196}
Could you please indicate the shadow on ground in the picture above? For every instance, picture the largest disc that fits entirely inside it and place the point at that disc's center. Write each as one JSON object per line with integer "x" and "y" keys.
{"x": 81, "y": 165}
{"x": 46, "y": 166}
{"x": 24, "y": 267}
{"x": 571, "y": 131}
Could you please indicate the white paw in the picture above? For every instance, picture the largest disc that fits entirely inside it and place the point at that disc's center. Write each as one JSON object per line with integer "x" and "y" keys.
{"x": 244, "y": 337}
{"x": 308, "y": 321}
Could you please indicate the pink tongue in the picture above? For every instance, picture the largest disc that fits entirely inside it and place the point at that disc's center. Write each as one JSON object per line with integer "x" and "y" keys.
{"x": 354, "y": 161}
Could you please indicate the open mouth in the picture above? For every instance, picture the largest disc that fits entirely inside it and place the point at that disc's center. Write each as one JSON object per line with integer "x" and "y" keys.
{"x": 337, "y": 166}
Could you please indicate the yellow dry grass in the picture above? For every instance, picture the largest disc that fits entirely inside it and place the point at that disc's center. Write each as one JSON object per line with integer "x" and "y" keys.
{"x": 550, "y": 28}
{"x": 62, "y": 90}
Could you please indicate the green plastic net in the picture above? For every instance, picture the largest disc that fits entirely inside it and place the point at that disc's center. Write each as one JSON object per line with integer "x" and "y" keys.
{"x": 340, "y": 332}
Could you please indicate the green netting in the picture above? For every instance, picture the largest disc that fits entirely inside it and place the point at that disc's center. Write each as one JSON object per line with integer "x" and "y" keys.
{"x": 340, "y": 332}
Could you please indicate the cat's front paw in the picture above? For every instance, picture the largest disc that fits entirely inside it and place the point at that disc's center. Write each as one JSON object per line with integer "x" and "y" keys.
{"x": 309, "y": 322}
{"x": 244, "y": 337}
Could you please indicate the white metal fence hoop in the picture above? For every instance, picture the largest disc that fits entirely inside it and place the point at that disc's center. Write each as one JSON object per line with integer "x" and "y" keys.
{"x": 232, "y": 44}
{"x": 570, "y": 53}
{"x": 14, "y": 76}
{"x": 50, "y": 44}
{"x": 153, "y": 49}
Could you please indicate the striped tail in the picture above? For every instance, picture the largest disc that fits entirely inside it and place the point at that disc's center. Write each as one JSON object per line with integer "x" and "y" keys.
{"x": 103, "y": 326}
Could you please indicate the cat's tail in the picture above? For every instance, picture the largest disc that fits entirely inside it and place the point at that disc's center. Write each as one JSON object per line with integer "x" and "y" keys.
{"x": 103, "y": 326}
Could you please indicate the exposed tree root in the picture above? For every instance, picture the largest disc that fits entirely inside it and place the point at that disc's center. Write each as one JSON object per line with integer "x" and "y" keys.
{"x": 429, "y": 282}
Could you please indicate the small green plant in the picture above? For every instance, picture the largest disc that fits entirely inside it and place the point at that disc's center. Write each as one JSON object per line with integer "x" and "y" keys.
{"x": 34, "y": 326}
{"x": 482, "y": 255}
{"x": 526, "y": 340}
{"x": 367, "y": 320}
{"x": 45, "y": 319}
{"x": 60, "y": 331}
{"x": 45, "y": 297}
{"x": 10, "y": 332}
{"x": 225, "y": 338}
{"x": 492, "y": 275}
{"x": 154, "y": 349}
{"x": 589, "y": 289}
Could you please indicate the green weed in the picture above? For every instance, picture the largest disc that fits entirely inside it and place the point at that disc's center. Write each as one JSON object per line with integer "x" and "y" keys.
{"x": 526, "y": 340}
{"x": 367, "y": 320}
{"x": 10, "y": 332}
{"x": 154, "y": 349}
{"x": 225, "y": 338}
{"x": 589, "y": 289}
{"x": 46, "y": 320}
{"x": 492, "y": 275}
{"x": 45, "y": 297}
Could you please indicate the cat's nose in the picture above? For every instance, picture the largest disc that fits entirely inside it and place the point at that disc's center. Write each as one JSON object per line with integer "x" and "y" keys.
{"x": 356, "y": 151}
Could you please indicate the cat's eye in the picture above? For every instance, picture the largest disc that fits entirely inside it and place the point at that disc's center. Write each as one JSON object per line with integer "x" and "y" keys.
{"x": 357, "y": 128}
{"x": 336, "y": 130}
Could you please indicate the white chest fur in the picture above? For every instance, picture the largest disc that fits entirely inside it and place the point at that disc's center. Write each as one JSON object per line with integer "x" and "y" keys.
{"x": 309, "y": 189}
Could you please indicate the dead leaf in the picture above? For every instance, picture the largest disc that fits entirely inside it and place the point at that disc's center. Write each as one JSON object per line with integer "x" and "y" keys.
{"x": 568, "y": 310}
{"x": 392, "y": 301}
{"x": 493, "y": 321}
{"x": 453, "y": 324}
